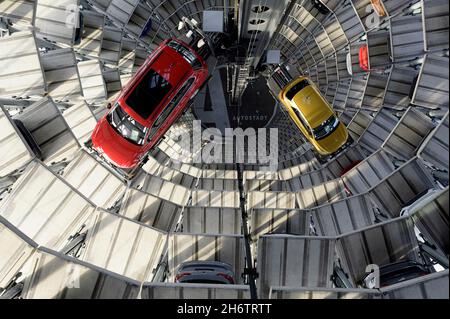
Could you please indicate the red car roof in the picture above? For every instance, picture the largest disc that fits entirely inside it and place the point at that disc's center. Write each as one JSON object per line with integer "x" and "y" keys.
{"x": 171, "y": 66}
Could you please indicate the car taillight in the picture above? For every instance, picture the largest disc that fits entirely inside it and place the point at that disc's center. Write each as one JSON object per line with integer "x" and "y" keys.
{"x": 179, "y": 276}
{"x": 364, "y": 58}
{"x": 227, "y": 277}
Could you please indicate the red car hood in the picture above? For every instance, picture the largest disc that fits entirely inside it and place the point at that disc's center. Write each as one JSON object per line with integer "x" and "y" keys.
{"x": 114, "y": 148}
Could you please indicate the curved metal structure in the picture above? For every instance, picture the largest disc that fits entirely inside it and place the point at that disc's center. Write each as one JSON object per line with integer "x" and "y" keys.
{"x": 71, "y": 225}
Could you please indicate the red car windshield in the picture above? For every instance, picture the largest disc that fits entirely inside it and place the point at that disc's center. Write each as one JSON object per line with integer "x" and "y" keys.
{"x": 126, "y": 126}
{"x": 148, "y": 94}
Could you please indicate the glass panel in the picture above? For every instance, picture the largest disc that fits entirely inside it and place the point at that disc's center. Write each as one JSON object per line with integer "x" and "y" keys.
{"x": 300, "y": 117}
{"x": 126, "y": 126}
{"x": 149, "y": 94}
{"x": 297, "y": 88}
{"x": 171, "y": 106}
{"x": 327, "y": 128}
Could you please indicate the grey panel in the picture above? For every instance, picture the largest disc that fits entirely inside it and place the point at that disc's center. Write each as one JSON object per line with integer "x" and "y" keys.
{"x": 21, "y": 73}
{"x": 432, "y": 85}
{"x": 279, "y": 221}
{"x": 322, "y": 293}
{"x": 204, "y": 220}
{"x": 400, "y": 188}
{"x": 186, "y": 178}
{"x": 435, "y": 148}
{"x": 15, "y": 250}
{"x": 127, "y": 56}
{"x": 399, "y": 87}
{"x": 293, "y": 261}
{"x": 50, "y": 130}
{"x": 19, "y": 11}
{"x": 57, "y": 21}
{"x": 359, "y": 123}
{"x": 111, "y": 45}
{"x": 149, "y": 209}
{"x": 378, "y": 130}
{"x": 92, "y": 82}
{"x": 121, "y": 10}
{"x": 433, "y": 286}
{"x": 375, "y": 92}
{"x": 436, "y": 23}
{"x": 45, "y": 208}
{"x": 380, "y": 245}
{"x": 350, "y": 22}
{"x": 123, "y": 246}
{"x": 368, "y": 173}
{"x": 327, "y": 192}
{"x": 432, "y": 219}
{"x": 271, "y": 200}
{"x": 379, "y": 49}
{"x": 406, "y": 37}
{"x": 55, "y": 276}
{"x": 408, "y": 135}
{"x": 62, "y": 75}
{"x": 194, "y": 291}
{"x": 14, "y": 149}
{"x": 94, "y": 180}
{"x": 91, "y": 42}
{"x": 81, "y": 121}
{"x": 344, "y": 216}
{"x": 394, "y": 7}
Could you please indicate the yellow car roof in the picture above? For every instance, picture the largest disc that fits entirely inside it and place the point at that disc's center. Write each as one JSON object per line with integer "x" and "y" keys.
{"x": 310, "y": 102}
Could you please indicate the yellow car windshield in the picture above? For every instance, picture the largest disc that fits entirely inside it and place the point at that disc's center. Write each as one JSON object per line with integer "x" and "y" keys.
{"x": 327, "y": 127}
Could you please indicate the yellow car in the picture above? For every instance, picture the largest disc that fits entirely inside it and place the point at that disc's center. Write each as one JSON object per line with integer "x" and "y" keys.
{"x": 314, "y": 116}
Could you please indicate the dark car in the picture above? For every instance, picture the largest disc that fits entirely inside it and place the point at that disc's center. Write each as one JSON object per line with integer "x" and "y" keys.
{"x": 395, "y": 273}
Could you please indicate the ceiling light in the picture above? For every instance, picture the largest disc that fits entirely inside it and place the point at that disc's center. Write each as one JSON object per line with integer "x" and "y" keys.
{"x": 201, "y": 43}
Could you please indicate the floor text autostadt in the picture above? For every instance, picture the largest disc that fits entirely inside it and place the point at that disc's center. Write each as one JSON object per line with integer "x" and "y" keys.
{"x": 224, "y": 309}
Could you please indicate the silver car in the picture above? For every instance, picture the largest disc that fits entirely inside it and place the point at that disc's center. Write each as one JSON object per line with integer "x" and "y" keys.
{"x": 205, "y": 272}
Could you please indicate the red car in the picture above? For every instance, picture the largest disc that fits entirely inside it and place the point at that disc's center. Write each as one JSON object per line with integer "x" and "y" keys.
{"x": 364, "y": 58}
{"x": 152, "y": 101}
